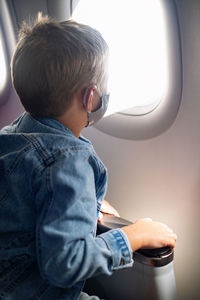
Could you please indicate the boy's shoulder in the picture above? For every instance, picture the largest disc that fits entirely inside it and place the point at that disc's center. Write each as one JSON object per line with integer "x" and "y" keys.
{"x": 46, "y": 135}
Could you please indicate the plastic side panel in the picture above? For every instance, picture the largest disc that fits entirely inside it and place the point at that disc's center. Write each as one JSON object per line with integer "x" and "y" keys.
{"x": 139, "y": 282}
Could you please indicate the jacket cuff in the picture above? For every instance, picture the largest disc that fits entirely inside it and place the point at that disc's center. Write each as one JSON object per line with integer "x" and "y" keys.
{"x": 120, "y": 248}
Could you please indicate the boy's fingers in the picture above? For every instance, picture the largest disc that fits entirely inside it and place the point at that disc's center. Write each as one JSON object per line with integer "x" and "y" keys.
{"x": 174, "y": 236}
{"x": 100, "y": 217}
{"x": 171, "y": 240}
{"x": 147, "y": 219}
{"x": 167, "y": 227}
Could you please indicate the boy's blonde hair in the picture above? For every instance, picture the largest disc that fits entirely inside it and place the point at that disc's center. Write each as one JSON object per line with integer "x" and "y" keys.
{"x": 54, "y": 60}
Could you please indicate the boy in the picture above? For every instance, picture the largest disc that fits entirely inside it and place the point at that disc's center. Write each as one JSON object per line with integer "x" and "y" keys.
{"x": 52, "y": 182}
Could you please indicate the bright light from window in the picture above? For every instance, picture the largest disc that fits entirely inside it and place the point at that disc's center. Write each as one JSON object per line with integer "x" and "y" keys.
{"x": 2, "y": 68}
{"x": 136, "y": 35}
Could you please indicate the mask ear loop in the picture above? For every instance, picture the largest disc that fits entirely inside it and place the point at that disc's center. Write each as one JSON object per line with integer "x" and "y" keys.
{"x": 86, "y": 94}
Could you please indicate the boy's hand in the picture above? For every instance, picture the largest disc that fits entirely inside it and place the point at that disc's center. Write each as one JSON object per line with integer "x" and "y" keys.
{"x": 100, "y": 217}
{"x": 146, "y": 233}
{"x": 106, "y": 208}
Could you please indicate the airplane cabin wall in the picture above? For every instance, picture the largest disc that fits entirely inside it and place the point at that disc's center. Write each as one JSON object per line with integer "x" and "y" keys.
{"x": 160, "y": 177}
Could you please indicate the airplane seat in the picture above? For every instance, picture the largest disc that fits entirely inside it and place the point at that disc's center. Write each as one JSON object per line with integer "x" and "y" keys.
{"x": 151, "y": 277}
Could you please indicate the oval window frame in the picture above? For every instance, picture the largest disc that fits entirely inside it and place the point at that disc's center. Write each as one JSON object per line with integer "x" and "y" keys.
{"x": 8, "y": 44}
{"x": 134, "y": 125}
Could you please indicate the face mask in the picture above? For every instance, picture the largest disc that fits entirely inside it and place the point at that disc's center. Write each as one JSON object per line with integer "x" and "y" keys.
{"x": 95, "y": 116}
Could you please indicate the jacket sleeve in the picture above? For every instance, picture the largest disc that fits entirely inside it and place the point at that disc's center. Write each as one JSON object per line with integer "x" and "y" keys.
{"x": 67, "y": 249}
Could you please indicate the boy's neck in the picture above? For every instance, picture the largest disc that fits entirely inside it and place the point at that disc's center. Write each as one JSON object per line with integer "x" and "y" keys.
{"x": 71, "y": 124}
{"x": 75, "y": 118}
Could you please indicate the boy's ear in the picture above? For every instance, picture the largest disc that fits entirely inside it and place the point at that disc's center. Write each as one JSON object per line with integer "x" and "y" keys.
{"x": 88, "y": 97}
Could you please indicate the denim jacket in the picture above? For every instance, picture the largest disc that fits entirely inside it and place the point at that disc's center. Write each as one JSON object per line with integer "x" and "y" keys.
{"x": 51, "y": 188}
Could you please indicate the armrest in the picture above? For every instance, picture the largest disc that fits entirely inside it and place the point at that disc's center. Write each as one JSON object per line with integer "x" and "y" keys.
{"x": 152, "y": 257}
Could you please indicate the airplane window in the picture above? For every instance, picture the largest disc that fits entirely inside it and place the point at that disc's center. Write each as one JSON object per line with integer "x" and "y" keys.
{"x": 2, "y": 68}
{"x": 136, "y": 34}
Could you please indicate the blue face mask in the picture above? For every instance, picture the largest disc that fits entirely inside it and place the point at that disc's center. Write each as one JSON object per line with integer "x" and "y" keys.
{"x": 95, "y": 116}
